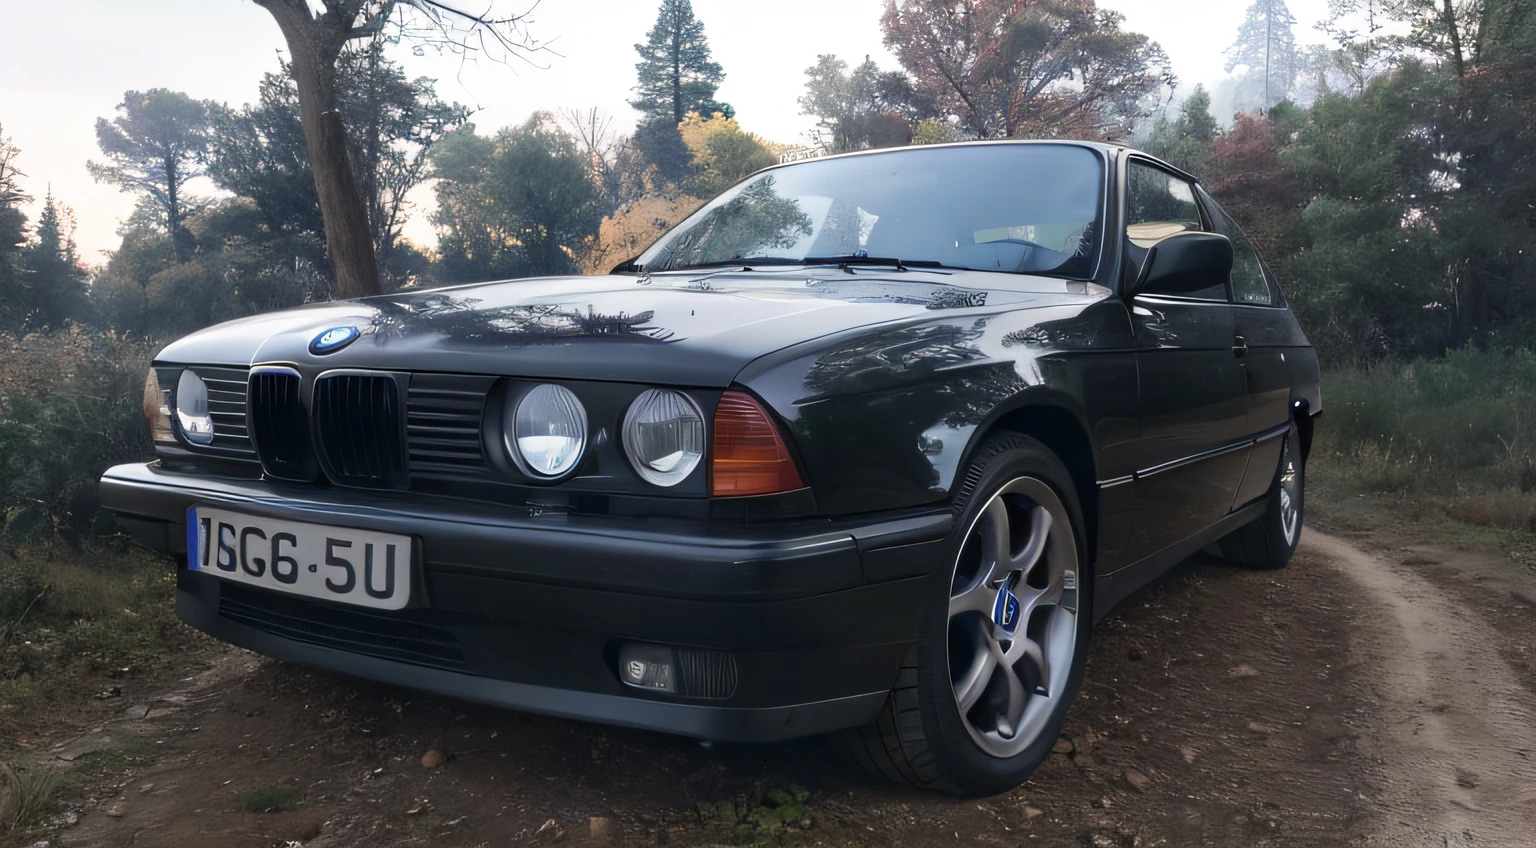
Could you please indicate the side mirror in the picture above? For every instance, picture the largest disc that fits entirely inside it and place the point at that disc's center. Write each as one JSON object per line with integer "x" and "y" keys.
{"x": 1185, "y": 264}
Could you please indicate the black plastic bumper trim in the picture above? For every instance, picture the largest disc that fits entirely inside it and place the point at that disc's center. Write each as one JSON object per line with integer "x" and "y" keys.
{"x": 725, "y": 724}
{"x": 680, "y": 559}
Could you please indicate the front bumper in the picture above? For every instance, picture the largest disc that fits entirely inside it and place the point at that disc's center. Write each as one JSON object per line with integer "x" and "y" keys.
{"x": 811, "y": 617}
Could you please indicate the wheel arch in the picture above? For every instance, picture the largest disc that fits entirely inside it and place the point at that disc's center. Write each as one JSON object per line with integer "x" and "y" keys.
{"x": 1301, "y": 413}
{"x": 1053, "y": 419}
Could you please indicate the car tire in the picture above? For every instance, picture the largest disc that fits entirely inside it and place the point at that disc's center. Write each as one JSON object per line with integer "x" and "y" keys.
{"x": 1018, "y": 683}
{"x": 1268, "y": 541}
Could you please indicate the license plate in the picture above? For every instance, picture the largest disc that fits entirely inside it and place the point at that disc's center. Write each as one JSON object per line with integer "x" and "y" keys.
{"x": 341, "y": 564}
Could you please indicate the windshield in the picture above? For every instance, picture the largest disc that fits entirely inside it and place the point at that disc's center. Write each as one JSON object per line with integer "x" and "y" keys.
{"x": 1025, "y": 209}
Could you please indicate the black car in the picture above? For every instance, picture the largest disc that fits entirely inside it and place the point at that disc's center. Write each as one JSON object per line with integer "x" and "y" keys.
{"x": 862, "y": 447}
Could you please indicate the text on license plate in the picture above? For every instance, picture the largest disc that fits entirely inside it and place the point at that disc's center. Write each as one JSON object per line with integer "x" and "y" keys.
{"x": 342, "y": 564}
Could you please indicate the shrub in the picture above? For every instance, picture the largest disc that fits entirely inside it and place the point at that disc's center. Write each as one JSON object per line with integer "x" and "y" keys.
{"x": 71, "y": 404}
{"x": 1462, "y": 427}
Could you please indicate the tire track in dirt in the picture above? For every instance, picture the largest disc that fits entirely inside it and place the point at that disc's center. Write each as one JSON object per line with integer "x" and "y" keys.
{"x": 1345, "y": 700}
{"x": 1454, "y": 737}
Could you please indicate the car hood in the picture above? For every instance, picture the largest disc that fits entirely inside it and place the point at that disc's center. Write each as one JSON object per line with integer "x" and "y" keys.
{"x": 681, "y": 329}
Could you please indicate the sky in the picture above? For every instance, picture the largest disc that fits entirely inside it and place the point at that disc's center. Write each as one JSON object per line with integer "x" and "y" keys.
{"x": 53, "y": 88}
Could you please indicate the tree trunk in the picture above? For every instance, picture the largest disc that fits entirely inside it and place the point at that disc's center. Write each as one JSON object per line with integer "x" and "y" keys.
{"x": 677, "y": 70}
{"x": 173, "y": 214}
{"x": 342, "y": 205}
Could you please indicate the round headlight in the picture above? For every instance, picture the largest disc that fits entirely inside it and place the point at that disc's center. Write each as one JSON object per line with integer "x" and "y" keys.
{"x": 664, "y": 436}
{"x": 192, "y": 409}
{"x": 548, "y": 432}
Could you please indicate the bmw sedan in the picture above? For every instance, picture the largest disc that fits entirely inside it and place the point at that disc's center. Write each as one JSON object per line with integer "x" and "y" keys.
{"x": 863, "y": 448}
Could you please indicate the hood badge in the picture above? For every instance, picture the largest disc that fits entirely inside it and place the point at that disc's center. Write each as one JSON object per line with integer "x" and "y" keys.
{"x": 333, "y": 339}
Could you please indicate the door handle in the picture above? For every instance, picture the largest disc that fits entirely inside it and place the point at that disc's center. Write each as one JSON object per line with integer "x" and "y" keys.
{"x": 1239, "y": 346}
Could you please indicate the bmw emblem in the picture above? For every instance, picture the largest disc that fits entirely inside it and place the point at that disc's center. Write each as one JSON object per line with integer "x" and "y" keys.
{"x": 1005, "y": 610}
{"x": 333, "y": 340}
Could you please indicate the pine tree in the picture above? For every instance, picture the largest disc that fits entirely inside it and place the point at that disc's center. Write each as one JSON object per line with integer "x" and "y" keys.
{"x": 55, "y": 278}
{"x": 1266, "y": 40}
{"x": 1186, "y": 142}
{"x": 676, "y": 73}
{"x": 154, "y": 147}
{"x": 1195, "y": 119}
{"x": 13, "y": 235}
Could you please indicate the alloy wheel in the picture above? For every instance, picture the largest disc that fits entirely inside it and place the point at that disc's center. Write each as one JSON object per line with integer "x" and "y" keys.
{"x": 1290, "y": 497}
{"x": 1013, "y": 611}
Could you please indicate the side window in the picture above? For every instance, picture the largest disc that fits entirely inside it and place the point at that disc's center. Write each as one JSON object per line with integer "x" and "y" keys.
{"x": 1158, "y": 205}
{"x": 1248, "y": 283}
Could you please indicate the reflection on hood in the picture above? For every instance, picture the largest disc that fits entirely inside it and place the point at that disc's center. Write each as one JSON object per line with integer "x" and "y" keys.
{"x": 463, "y": 317}
{"x": 926, "y": 295}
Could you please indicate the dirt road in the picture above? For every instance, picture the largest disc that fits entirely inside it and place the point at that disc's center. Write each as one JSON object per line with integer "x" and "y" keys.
{"x": 1367, "y": 695}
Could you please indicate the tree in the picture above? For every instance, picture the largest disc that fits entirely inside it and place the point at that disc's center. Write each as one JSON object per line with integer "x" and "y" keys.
{"x": 55, "y": 277}
{"x": 1246, "y": 173}
{"x": 859, "y": 110}
{"x": 519, "y": 204}
{"x": 733, "y": 156}
{"x": 632, "y": 228}
{"x": 615, "y": 163}
{"x": 676, "y": 72}
{"x": 155, "y": 146}
{"x": 937, "y": 131}
{"x": 13, "y": 232}
{"x": 392, "y": 122}
{"x": 1195, "y": 118}
{"x": 1041, "y": 68}
{"x": 1266, "y": 51}
{"x": 1186, "y": 142}
{"x": 119, "y": 291}
{"x": 315, "y": 33}
{"x": 1378, "y": 275}
{"x": 660, "y": 145}
{"x": 258, "y": 151}
{"x": 721, "y": 153}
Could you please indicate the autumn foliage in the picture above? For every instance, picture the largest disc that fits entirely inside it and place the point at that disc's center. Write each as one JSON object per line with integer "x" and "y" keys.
{"x": 1027, "y": 68}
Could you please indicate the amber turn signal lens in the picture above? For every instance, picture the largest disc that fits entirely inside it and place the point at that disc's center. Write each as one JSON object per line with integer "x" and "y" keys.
{"x": 749, "y": 455}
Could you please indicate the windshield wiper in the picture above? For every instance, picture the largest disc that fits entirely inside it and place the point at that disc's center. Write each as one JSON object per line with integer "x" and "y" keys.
{"x": 745, "y": 262}
{"x": 862, "y": 258}
{"x": 843, "y": 261}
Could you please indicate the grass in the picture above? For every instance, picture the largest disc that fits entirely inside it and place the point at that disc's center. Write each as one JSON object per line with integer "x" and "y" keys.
{"x": 1451, "y": 438}
{"x": 113, "y": 760}
{"x": 761, "y": 817}
{"x": 271, "y": 799}
{"x": 27, "y": 797}
{"x": 74, "y": 618}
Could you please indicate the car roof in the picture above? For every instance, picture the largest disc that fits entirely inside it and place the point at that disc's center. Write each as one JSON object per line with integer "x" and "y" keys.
{"x": 1104, "y": 147}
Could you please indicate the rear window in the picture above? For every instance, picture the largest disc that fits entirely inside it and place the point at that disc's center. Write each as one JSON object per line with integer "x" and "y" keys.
{"x": 1248, "y": 282}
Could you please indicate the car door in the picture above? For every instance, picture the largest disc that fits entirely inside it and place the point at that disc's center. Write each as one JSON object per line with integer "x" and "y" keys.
{"x": 1193, "y": 393}
{"x": 1266, "y": 328}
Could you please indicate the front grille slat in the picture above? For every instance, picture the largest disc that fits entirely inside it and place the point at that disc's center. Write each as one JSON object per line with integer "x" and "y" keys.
{"x": 278, "y": 425}
{"x": 443, "y": 421}
{"x": 357, "y": 422}
{"x": 226, "y": 406}
{"x": 375, "y": 401}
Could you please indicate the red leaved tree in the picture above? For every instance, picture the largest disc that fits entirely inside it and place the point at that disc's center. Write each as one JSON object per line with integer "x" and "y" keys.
{"x": 1027, "y": 68}
{"x": 1253, "y": 185}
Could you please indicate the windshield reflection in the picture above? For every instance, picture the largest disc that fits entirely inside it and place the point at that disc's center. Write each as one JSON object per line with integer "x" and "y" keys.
{"x": 1013, "y": 208}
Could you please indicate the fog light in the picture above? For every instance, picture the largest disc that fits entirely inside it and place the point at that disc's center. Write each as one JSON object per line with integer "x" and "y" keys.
{"x": 647, "y": 667}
